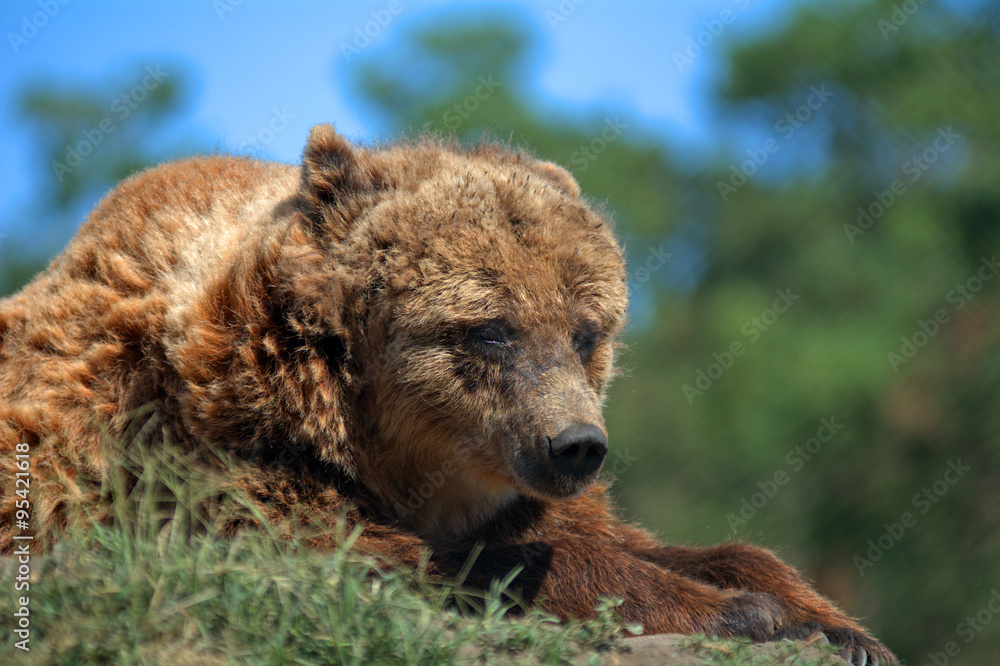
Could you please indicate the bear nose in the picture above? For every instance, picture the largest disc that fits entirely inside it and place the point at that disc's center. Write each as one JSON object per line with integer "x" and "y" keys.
{"x": 578, "y": 450}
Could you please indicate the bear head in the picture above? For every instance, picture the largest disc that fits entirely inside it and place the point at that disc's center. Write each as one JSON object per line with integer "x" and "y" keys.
{"x": 469, "y": 301}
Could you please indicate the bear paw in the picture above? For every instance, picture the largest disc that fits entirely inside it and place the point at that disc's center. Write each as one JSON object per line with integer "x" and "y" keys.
{"x": 858, "y": 648}
{"x": 755, "y": 615}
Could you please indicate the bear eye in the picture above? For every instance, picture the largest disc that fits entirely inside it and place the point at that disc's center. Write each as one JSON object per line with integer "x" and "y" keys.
{"x": 586, "y": 338}
{"x": 490, "y": 337}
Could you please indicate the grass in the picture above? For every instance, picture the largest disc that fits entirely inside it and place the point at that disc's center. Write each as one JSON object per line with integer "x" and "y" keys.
{"x": 159, "y": 585}
{"x": 105, "y": 597}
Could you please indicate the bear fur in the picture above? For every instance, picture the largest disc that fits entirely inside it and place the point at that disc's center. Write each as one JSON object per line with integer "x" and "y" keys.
{"x": 415, "y": 339}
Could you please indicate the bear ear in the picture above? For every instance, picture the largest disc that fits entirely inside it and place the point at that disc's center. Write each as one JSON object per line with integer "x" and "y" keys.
{"x": 559, "y": 177}
{"x": 334, "y": 176}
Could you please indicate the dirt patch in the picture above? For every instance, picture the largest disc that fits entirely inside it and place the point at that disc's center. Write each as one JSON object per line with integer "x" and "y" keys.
{"x": 678, "y": 650}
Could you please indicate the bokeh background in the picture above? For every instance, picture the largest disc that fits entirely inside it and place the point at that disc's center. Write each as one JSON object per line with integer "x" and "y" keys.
{"x": 809, "y": 193}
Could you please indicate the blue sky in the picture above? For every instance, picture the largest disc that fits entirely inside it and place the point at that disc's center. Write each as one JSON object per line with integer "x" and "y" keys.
{"x": 251, "y": 58}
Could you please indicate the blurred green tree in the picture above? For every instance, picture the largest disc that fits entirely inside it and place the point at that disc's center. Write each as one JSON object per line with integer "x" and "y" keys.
{"x": 88, "y": 138}
{"x": 467, "y": 79}
{"x": 890, "y": 234}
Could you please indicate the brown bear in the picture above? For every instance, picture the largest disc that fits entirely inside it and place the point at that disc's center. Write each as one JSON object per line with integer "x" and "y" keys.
{"x": 415, "y": 339}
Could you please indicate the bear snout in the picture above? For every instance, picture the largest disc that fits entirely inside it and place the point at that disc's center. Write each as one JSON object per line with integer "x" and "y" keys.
{"x": 561, "y": 466}
{"x": 578, "y": 450}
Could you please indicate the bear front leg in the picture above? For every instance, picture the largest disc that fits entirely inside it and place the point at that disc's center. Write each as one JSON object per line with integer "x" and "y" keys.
{"x": 738, "y": 566}
{"x": 569, "y": 579}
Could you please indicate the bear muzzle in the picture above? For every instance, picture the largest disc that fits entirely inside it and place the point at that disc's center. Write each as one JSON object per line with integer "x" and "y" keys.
{"x": 578, "y": 451}
{"x": 563, "y": 465}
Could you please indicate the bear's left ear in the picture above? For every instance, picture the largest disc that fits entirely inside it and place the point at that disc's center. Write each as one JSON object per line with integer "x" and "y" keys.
{"x": 335, "y": 180}
{"x": 558, "y": 176}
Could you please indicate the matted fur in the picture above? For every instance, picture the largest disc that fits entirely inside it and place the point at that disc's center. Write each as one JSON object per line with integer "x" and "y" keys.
{"x": 388, "y": 336}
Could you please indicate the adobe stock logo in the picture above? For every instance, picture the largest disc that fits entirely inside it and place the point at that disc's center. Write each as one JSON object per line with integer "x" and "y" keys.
{"x": 431, "y": 483}
{"x": 752, "y": 329}
{"x": 928, "y": 329}
{"x": 712, "y": 29}
{"x": 120, "y": 108}
{"x": 587, "y": 153}
{"x": 785, "y": 128}
{"x": 796, "y": 459}
{"x": 30, "y": 25}
{"x": 655, "y": 260}
{"x": 280, "y": 118}
{"x": 363, "y": 35}
{"x": 461, "y": 111}
{"x": 923, "y": 501}
{"x": 566, "y": 9}
{"x": 968, "y": 629}
{"x": 913, "y": 169}
{"x": 900, "y": 14}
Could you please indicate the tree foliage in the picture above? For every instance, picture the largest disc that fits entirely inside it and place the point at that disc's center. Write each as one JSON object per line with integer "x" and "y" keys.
{"x": 88, "y": 137}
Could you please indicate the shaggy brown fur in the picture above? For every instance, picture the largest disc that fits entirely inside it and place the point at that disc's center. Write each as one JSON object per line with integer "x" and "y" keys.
{"x": 417, "y": 338}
